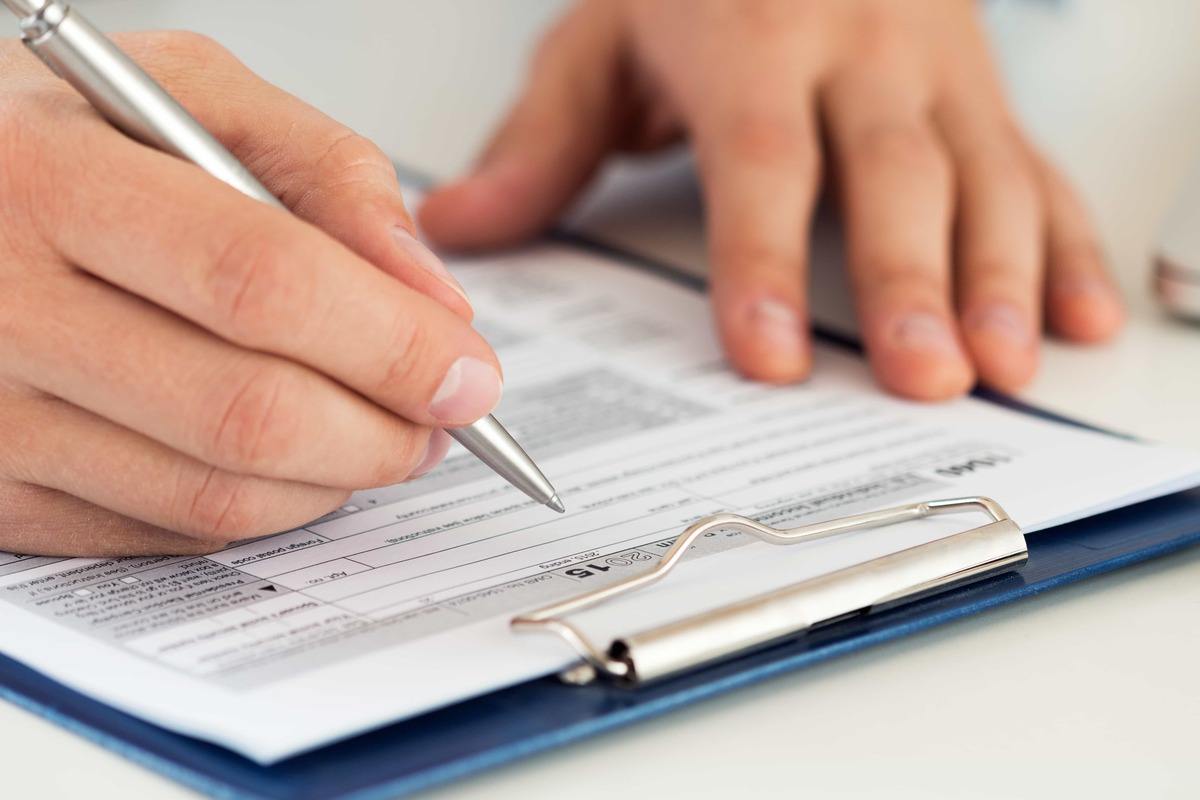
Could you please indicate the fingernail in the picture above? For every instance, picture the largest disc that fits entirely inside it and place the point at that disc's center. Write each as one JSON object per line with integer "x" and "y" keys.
{"x": 435, "y": 451}
{"x": 779, "y": 327}
{"x": 425, "y": 258}
{"x": 924, "y": 332}
{"x": 470, "y": 390}
{"x": 1004, "y": 321}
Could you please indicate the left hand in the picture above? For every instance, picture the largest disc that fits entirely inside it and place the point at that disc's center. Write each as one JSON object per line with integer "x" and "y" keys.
{"x": 961, "y": 239}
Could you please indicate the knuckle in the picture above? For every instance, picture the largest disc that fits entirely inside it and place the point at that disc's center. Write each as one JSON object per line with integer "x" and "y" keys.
{"x": 182, "y": 48}
{"x": 217, "y": 508}
{"x": 734, "y": 259}
{"x": 1013, "y": 171}
{"x": 191, "y": 65}
{"x": 1003, "y": 163}
{"x": 885, "y": 278}
{"x": 405, "y": 449}
{"x": 989, "y": 269}
{"x": 887, "y": 272}
{"x": 254, "y": 289}
{"x": 257, "y": 423}
{"x": 343, "y": 161}
{"x": 767, "y": 15}
{"x": 30, "y": 176}
{"x": 898, "y": 145}
{"x": 410, "y": 347}
{"x": 881, "y": 36}
{"x": 14, "y": 119}
{"x": 991, "y": 276}
{"x": 347, "y": 154}
{"x": 770, "y": 140}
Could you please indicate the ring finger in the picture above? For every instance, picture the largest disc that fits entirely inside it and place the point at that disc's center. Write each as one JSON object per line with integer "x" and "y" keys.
{"x": 159, "y": 492}
{"x": 999, "y": 264}
{"x": 897, "y": 202}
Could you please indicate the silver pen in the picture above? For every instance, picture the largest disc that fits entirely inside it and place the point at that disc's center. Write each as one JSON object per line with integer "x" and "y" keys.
{"x": 133, "y": 102}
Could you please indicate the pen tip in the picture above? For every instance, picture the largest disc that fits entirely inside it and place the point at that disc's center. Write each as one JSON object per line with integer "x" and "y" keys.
{"x": 556, "y": 504}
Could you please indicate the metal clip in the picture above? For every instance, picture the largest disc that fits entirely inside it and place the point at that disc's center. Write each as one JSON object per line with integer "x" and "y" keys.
{"x": 677, "y": 646}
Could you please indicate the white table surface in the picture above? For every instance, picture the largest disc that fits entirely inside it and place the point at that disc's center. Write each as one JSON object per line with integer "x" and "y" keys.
{"x": 1087, "y": 690}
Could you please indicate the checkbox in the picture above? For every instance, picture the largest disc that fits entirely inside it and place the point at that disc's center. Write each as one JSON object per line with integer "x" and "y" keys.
{"x": 130, "y": 579}
{"x": 82, "y": 592}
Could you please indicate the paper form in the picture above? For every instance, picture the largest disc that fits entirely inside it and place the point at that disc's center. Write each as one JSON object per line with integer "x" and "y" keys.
{"x": 399, "y": 602}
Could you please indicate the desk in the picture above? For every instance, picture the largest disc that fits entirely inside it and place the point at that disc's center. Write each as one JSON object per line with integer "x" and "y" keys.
{"x": 1091, "y": 689}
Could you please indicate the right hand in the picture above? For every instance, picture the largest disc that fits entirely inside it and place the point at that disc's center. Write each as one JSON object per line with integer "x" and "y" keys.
{"x": 182, "y": 366}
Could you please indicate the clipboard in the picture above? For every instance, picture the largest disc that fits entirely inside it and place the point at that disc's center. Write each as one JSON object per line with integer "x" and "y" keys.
{"x": 540, "y": 715}
{"x": 980, "y": 568}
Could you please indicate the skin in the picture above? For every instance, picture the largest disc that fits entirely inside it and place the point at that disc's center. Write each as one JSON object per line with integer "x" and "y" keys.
{"x": 180, "y": 365}
{"x": 963, "y": 245}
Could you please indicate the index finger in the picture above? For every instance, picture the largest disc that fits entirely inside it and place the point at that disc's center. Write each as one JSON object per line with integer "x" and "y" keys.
{"x": 262, "y": 279}
{"x": 319, "y": 168}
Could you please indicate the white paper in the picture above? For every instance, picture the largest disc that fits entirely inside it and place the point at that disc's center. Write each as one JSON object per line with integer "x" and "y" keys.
{"x": 399, "y": 603}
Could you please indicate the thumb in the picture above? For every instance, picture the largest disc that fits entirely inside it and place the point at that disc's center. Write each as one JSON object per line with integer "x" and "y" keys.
{"x": 565, "y": 122}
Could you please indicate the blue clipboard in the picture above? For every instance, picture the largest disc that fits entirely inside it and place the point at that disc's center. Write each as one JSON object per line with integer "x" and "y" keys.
{"x": 532, "y": 717}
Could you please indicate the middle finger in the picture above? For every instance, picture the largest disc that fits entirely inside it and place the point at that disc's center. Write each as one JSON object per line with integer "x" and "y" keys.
{"x": 897, "y": 203}
{"x": 248, "y": 412}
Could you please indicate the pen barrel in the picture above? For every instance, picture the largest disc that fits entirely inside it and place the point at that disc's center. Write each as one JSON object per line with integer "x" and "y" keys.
{"x": 129, "y": 98}
{"x": 685, "y": 644}
{"x": 488, "y": 441}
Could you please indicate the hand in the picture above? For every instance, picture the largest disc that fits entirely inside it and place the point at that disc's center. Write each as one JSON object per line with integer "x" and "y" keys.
{"x": 180, "y": 365}
{"x": 960, "y": 238}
